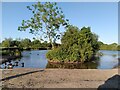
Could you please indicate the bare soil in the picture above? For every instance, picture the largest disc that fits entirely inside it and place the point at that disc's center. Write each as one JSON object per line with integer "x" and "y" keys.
{"x": 55, "y": 78}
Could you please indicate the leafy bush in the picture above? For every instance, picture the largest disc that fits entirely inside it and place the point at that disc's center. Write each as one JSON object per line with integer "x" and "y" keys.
{"x": 50, "y": 54}
{"x": 77, "y": 45}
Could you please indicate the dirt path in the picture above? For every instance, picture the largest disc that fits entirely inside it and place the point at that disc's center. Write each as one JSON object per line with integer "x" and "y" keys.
{"x": 56, "y": 78}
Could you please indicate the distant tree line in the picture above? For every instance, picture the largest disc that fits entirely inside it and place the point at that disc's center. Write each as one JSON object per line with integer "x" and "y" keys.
{"x": 113, "y": 46}
{"x": 35, "y": 44}
{"x": 26, "y": 43}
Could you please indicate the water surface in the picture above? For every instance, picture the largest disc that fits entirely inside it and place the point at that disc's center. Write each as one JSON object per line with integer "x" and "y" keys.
{"x": 37, "y": 59}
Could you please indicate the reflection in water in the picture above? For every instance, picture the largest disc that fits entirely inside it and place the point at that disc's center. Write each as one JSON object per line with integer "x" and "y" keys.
{"x": 37, "y": 59}
{"x": 30, "y": 59}
{"x": 107, "y": 62}
{"x": 73, "y": 66}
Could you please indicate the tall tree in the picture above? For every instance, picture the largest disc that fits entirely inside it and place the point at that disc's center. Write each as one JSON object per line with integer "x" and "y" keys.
{"x": 47, "y": 19}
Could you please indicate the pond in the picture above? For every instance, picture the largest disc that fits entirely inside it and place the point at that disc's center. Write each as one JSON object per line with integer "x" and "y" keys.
{"x": 37, "y": 59}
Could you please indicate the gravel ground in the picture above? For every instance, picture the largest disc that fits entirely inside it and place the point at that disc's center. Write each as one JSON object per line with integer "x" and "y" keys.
{"x": 56, "y": 78}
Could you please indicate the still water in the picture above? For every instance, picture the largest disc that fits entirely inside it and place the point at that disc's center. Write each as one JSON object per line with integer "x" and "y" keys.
{"x": 37, "y": 59}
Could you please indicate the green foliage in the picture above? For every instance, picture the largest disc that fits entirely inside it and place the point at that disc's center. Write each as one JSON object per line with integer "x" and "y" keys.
{"x": 10, "y": 52}
{"x": 36, "y": 44}
{"x": 118, "y": 47}
{"x": 56, "y": 54}
{"x": 50, "y": 54}
{"x": 47, "y": 19}
{"x": 112, "y": 46}
{"x": 77, "y": 45}
{"x": 7, "y": 42}
{"x": 25, "y": 43}
{"x": 0, "y": 44}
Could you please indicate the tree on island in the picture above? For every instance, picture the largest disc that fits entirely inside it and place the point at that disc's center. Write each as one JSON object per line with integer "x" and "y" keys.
{"x": 77, "y": 46}
{"x": 47, "y": 19}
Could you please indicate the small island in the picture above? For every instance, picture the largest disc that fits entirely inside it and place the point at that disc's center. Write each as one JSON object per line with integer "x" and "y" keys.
{"x": 78, "y": 46}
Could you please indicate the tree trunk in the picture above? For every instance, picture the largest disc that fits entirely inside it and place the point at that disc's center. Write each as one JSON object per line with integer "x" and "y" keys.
{"x": 50, "y": 40}
{"x": 52, "y": 46}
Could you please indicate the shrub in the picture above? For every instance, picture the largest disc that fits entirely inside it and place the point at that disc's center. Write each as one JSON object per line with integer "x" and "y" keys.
{"x": 77, "y": 45}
